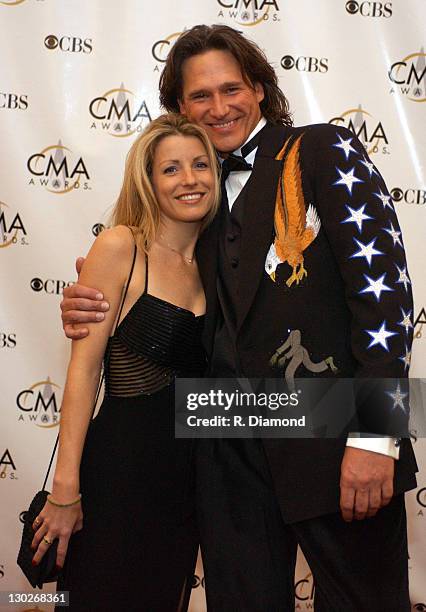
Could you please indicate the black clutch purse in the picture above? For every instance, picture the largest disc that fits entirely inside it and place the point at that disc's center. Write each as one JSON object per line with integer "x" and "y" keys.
{"x": 45, "y": 571}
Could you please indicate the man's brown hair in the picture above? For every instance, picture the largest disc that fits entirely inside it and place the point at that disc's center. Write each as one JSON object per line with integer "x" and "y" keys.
{"x": 253, "y": 63}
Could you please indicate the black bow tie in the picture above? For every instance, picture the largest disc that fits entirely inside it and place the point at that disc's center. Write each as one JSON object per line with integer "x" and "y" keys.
{"x": 234, "y": 163}
{"x": 237, "y": 163}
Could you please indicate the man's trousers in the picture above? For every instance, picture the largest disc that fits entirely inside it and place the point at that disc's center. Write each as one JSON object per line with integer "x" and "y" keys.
{"x": 249, "y": 553}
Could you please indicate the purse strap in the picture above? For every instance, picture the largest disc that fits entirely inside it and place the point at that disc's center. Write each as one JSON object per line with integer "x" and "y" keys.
{"x": 103, "y": 372}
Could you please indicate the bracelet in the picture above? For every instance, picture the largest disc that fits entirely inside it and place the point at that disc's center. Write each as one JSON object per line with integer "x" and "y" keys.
{"x": 55, "y": 503}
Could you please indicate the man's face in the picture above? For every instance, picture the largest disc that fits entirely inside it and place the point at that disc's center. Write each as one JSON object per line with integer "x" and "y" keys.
{"x": 216, "y": 97}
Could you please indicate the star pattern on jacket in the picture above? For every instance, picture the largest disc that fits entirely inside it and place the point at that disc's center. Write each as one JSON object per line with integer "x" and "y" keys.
{"x": 398, "y": 398}
{"x": 380, "y": 336}
{"x": 369, "y": 165}
{"x": 367, "y": 250}
{"x": 376, "y": 286}
{"x": 347, "y": 179}
{"x": 357, "y": 216}
{"x": 406, "y": 322}
{"x": 385, "y": 199}
{"x": 345, "y": 146}
{"x": 396, "y": 236}
{"x": 406, "y": 359}
{"x": 369, "y": 212}
{"x": 403, "y": 276}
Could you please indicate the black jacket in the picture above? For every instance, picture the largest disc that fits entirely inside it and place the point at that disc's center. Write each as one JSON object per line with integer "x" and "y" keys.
{"x": 319, "y": 231}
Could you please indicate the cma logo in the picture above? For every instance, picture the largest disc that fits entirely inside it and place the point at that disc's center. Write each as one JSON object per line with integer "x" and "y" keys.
{"x": 304, "y": 590}
{"x": 58, "y": 170}
{"x": 12, "y": 229}
{"x": 421, "y": 497}
{"x": 409, "y": 76}
{"x": 70, "y": 44}
{"x": 7, "y": 340}
{"x": 119, "y": 112}
{"x": 13, "y": 101}
{"x": 161, "y": 48}
{"x": 257, "y": 5}
{"x": 409, "y": 196}
{"x": 249, "y": 12}
{"x": 7, "y": 463}
{"x": 369, "y": 9}
{"x": 366, "y": 128}
{"x": 418, "y": 324}
{"x": 55, "y": 287}
{"x": 304, "y": 63}
{"x": 39, "y": 404}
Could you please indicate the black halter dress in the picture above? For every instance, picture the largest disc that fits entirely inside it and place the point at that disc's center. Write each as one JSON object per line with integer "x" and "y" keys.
{"x": 138, "y": 545}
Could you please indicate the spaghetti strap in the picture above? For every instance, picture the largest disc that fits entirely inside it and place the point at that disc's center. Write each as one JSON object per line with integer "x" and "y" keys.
{"x": 129, "y": 278}
{"x": 146, "y": 274}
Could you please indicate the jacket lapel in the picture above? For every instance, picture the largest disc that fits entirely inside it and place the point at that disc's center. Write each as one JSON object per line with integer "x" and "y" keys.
{"x": 258, "y": 223}
{"x": 207, "y": 259}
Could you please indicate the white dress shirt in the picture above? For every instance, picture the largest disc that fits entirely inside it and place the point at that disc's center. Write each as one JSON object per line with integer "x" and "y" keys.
{"x": 234, "y": 185}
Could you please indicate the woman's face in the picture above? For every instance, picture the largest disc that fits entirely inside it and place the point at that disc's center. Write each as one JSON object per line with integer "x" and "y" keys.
{"x": 182, "y": 178}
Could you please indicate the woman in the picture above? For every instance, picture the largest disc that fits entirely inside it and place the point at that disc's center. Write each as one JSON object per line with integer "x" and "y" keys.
{"x": 138, "y": 546}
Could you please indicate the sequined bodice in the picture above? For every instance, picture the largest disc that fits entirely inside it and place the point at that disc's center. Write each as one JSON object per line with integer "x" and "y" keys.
{"x": 155, "y": 342}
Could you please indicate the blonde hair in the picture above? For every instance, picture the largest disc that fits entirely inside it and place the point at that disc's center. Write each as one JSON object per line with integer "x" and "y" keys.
{"x": 137, "y": 206}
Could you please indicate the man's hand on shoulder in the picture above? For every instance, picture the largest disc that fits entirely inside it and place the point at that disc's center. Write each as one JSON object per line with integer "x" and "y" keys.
{"x": 81, "y": 305}
{"x": 366, "y": 483}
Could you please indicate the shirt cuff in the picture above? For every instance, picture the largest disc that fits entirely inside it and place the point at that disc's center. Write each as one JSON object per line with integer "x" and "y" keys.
{"x": 383, "y": 445}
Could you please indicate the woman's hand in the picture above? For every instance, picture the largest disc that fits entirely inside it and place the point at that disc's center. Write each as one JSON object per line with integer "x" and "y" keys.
{"x": 53, "y": 523}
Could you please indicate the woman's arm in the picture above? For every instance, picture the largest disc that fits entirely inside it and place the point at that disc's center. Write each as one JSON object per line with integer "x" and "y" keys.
{"x": 107, "y": 267}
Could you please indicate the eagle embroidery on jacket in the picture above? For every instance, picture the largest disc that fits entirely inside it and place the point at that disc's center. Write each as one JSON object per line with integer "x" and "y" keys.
{"x": 295, "y": 227}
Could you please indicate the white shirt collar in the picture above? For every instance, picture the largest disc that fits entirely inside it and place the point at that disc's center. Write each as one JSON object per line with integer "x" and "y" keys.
{"x": 257, "y": 129}
{"x": 250, "y": 156}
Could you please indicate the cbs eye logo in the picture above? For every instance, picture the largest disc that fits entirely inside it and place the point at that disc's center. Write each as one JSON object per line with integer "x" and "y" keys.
{"x": 287, "y": 62}
{"x": 72, "y": 44}
{"x": 369, "y": 9}
{"x": 397, "y": 194}
{"x": 51, "y": 42}
{"x": 352, "y": 7}
{"x": 98, "y": 228}
{"x": 37, "y": 284}
{"x": 197, "y": 581}
{"x": 305, "y": 63}
{"x": 54, "y": 287}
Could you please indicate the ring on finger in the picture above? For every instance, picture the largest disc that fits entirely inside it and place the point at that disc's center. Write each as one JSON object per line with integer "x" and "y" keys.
{"x": 47, "y": 541}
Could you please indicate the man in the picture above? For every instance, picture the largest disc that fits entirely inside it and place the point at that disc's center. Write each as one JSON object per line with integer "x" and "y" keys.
{"x": 304, "y": 272}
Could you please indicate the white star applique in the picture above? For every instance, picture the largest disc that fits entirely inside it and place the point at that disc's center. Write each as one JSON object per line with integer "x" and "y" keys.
{"x": 403, "y": 276}
{"x": 406, "y": 320}
{"x": 398, "y": 398}
{"x": 369, "y": 165}
{"x": 366, "y": 250}
{"x": 385, "y": 199}
{"x": 396, "y": 236}
{"x": 406, "y": 359}
{"x": 375, "y": 286}
{"x": 347, "y": 179}
{"x": 380, "y": 336}
{"x": 357, "y": 216}
{"x": 345, "y": 145}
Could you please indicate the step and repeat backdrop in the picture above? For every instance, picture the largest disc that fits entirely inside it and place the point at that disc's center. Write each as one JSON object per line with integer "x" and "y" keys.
{"x": 78, "y": 82}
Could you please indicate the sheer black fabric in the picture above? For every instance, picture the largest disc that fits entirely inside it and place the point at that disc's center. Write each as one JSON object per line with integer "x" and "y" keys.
{"x": 155, "y": 342}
